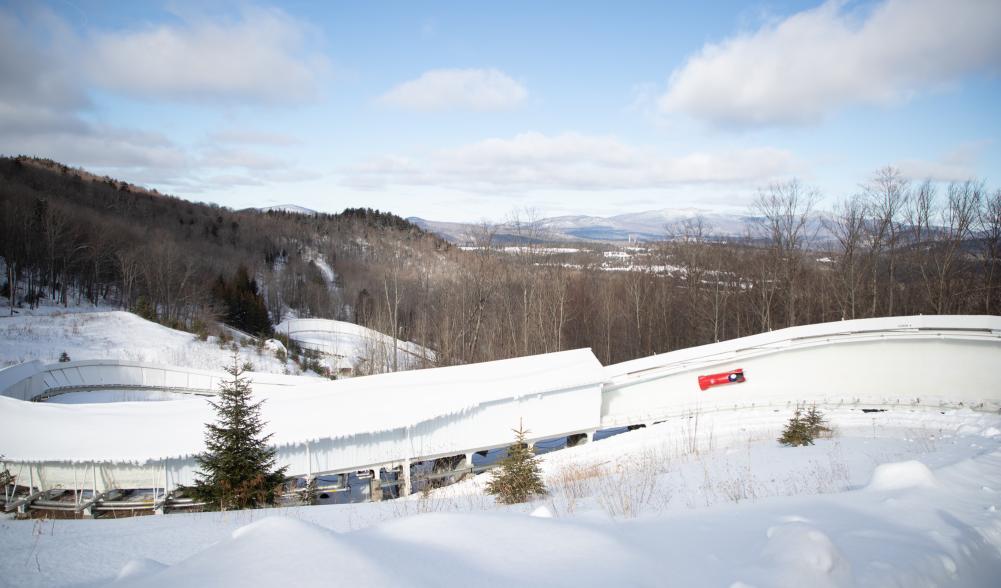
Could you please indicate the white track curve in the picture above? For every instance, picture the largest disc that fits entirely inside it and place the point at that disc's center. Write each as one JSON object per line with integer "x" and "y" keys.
{"x": 394, "y": 419}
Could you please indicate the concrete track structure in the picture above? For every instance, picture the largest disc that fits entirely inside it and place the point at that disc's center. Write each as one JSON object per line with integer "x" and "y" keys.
{"x": 390, "y": 422}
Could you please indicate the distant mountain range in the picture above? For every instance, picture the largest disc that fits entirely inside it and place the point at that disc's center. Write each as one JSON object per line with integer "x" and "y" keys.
{"x": 651, "y": 225}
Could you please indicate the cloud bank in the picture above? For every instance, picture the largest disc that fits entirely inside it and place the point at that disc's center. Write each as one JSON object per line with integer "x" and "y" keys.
{"x": 48, "y": 70}
{"x": 261, "y": 56}
{"x": 819, "y": 61}
{"x": 568, "y": 161}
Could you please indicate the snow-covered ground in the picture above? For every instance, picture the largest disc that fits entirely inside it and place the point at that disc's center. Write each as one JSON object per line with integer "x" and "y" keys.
{"x": 897, "y": 498}
{"x": 46, "y": 333}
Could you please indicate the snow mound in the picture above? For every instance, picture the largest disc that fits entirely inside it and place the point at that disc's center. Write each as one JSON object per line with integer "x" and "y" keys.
{"x": 542, "y": 513}
{"x": 970, "y": 429}
{"x": 991, "y": 432}
{"x": 269, "y": 552}
{"x": 275, "y": 345}
{"x": 900, "y": 475}
{"x": 506, "y": 550}
{"x": 139, "y": 567}
{"x": 803, "y": 549}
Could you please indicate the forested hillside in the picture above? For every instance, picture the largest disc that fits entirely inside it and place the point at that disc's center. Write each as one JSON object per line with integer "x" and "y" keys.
{"x": 67, "y": 233}
{"x": 901, "y": 248}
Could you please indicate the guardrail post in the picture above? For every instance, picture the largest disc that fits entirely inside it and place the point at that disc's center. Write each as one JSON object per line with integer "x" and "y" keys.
{"x": 24, "y": 505}
{"x": 375, "y": 485}
{"x": 309, "y": 465}
{"x": 467, "y": 463}
{"x": 405, "y": 484}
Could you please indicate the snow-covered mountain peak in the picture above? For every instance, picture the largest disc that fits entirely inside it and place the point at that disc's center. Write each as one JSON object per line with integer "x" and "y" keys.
{"x": 290, "y": 208}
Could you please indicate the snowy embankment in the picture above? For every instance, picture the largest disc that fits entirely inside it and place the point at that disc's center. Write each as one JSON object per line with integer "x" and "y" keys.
{"x": 905, "y": 498}
{"x": 109, "y": 334}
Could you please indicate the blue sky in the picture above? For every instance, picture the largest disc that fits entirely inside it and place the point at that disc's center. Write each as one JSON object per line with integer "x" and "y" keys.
{"x": 469, "y": 111}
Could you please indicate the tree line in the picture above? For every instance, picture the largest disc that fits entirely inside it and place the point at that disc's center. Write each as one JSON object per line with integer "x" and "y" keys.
{"x": 895, "y": 247}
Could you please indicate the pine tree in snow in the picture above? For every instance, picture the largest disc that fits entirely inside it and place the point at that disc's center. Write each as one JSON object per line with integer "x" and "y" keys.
{"x": 237, "y": 469}
{"x": 816, "y": 421}
{"x": 519, "y": 477}
{"x": 798, "y": 431}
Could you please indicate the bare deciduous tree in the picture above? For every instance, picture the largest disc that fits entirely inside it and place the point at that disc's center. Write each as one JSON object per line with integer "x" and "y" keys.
{"x": 784, "y": 211}
{"x": 887, "y": 194}
{"x": 848, "y": 227}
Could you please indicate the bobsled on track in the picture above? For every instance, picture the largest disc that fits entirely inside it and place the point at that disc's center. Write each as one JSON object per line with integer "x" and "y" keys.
{"x": 731, "y": 377}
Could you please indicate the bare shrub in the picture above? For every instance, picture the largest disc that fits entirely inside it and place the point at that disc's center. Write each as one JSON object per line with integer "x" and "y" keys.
{"x": 574, "y": 482}
{"x": 622, "y": 489}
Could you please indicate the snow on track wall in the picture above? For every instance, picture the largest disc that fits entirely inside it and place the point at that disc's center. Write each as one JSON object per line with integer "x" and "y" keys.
{"x": 321, "y": 426}
{"x": 33, "y": 379}
{"x": 347, "y": 425}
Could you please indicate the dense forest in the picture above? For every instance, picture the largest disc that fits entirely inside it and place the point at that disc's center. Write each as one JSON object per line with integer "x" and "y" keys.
{"x": 897, "y": 248}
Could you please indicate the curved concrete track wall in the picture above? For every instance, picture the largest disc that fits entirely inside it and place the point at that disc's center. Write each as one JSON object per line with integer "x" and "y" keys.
{"x": 932, "y": 366}
{"x": 938, "y": 361}
{"x": 35, "y": 380}
{"x": 353, "y": 342}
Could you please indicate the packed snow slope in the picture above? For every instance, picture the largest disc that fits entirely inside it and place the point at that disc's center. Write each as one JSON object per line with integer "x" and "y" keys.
{"x": 46, "y": 333}
{"x": 900, "y": 498}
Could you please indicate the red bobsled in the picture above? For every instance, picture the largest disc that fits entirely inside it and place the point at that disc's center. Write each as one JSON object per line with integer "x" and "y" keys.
{"x": 731, "y": 377}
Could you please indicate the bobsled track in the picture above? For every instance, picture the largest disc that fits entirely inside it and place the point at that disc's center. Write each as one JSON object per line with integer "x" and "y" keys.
{"x": 92, "y": 458}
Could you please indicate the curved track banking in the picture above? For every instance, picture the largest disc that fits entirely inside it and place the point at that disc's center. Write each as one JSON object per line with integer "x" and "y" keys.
{"x": 390, "y": 422}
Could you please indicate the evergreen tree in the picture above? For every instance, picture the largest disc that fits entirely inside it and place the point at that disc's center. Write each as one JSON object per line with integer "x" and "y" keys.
{"x": 797, "y": 431}
{"x": 519, "y": 476}
{"x": 244, "y": 306}
{"x": 816, "y": 422}
{"x": 238, "y": 467}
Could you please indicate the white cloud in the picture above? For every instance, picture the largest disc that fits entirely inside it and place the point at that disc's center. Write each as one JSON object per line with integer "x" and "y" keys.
{"x": 47, "y": 69}
{"x": 956, "y": 165}
{"x": 570, "y": 161}
{"x": 820, "y": 60}
{"x": 263, "y": 56}
{"x": 457, "y": 89}
{"x": 43, "y": 98}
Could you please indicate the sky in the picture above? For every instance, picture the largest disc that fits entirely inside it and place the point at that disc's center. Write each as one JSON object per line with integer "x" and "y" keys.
{"x": 469, "y": 111}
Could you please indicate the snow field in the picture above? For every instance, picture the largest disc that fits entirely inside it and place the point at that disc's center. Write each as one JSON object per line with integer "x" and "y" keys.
{"x": 806, "y": 516}
{"x": 112, "y": 334}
